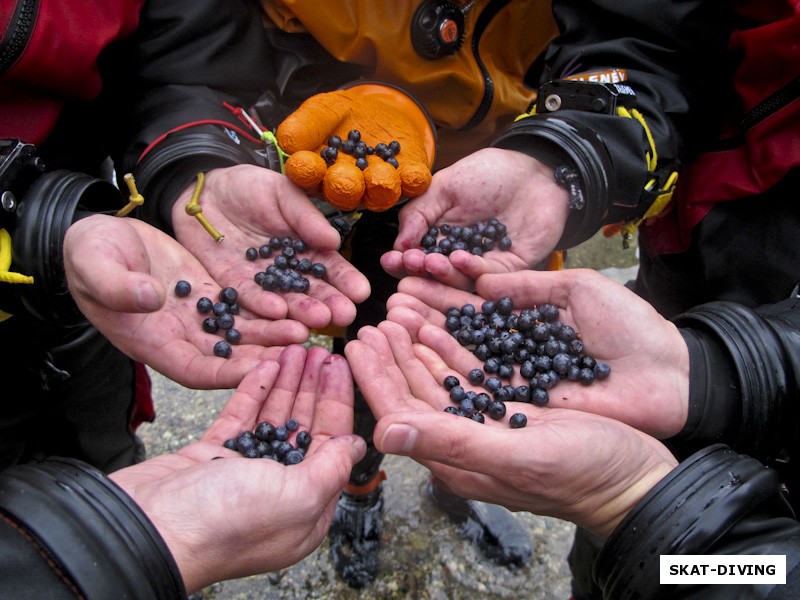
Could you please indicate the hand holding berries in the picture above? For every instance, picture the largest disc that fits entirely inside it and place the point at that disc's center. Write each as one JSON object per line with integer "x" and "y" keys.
{"x": 298, "y": 497}
{"x": 250, "y": 205}
{"x": 550, "y": 468}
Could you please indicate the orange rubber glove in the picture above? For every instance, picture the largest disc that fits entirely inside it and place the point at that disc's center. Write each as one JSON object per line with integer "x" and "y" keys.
{"x": 380, "y": 114}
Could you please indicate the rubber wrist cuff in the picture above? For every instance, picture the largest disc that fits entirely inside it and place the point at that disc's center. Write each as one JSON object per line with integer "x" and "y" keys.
{"x": 100, "y": 539}
{"x": 687, "y": 512}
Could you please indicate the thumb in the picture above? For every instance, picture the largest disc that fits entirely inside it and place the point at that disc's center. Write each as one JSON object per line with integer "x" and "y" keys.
{"x": 332, "y": 461}
{"x": 443, "y": 438}
{"x": 313, "y": 122}
{"x": 123, "y": 291}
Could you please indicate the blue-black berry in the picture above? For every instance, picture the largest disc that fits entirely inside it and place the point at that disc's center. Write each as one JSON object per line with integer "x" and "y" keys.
{"x": 222, "y": 349}
{"x": 183, "y": 288}
{"x": 517, "y": 421}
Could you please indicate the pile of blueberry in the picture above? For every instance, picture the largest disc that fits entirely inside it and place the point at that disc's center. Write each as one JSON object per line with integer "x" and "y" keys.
{"x": 270, "y": 441}
{"x": 287, "y": 271}
{"x": 359, "y": 150}
{"x": 533, "y": 342}
{"x": 220, "y": 318}
{"x": 477, "y": 238}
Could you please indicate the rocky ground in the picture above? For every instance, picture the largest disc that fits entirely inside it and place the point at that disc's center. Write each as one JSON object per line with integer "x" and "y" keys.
{"x": 423, "y": 556}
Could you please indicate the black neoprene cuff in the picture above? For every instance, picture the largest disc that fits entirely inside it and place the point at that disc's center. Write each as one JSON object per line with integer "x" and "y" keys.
{"x": 687, "y": 512}
{"x": 95, "y": 534}
{"x": 715, "y": 412}
{"x": 557, "y": 142}
{"x": 171, "y": 166}
{"x": 757, "y": 357}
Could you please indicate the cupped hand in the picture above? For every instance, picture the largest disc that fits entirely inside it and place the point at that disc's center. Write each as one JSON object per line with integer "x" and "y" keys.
{"x": 249, "y": 205}
{"x": 237, "y": 516}
{"x": 515, "y": 188}
{"x": 122, "y": 274}
{"x": 649, "y": 383}
{"x": 585, "y": 468}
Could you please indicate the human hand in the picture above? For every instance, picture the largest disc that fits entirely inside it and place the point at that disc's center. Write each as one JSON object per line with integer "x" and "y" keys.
{"x": 122, "y": 274}
{"x": 249, "y": 205}
{"x": 567, "y": 464}
{"x": 380, "y": 114}
{"x": 515, "y": 188}
{"x": 237, "y": 516}
{"x": 649, "y": 383}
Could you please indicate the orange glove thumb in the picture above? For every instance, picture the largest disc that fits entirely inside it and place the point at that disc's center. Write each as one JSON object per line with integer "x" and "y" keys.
{"x": 366, "y": 146}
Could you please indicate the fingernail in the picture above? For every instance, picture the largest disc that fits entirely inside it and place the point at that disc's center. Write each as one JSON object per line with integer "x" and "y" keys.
{"x": 399, "y": 439}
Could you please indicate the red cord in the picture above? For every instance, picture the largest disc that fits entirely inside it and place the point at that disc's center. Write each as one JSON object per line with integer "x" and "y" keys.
{"x": 225, "y": 124}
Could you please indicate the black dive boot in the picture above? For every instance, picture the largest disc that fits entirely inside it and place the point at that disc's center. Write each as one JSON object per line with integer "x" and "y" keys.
{"x": 494, "y": 529}
{"x": 355, "y": 533}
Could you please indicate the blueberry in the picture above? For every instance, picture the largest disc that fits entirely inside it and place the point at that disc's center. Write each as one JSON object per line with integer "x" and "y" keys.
{"x": 282, "y": 449}
{"x": 467, "y": 405}
{"x": 538, "y": 396}
{"x": 233, "y": 336}
{"x": 251, "y": 254}
{"x": 521, "y": 394}
{"x": 354, "y": 135}
{"x": 301, "y": 285}
{"x": 250, "y": 453}
{"x": 222, "y": 349}
{"x": 281, "y": 433}
{"x": 293, "y": 457}
{"x": 505, "y": 305}
{"x": 303, "y": 439}
{"x": 210, "y": 325}
{"x": 292, "y": 424}
{"x": 228, "y": 295}
{"x": 548, "y": 313}
{"x": 601, "y": 370}
{"x": 586, "y": 376}
{"x": 451, "y": 409}
{"x": 244, "y": 440}
{"x": 476, "y": 376}
{"x": 496, "y": 410}
{"x": 478, "y": 417}
{"x": 334, "y": 141}
{"x": 318, "y": 270}
{"x": 205, "y": 305}
{"x": 482, "y": 401}
{"x": 304, "y": 265}
{"x": 450, "y": 382}
{"x": 230, "y": 444}
{"x": 457, "y": 394}
{"x": 225, "y": 321}
{"x": 265, "y": 431}
{"x": 264, "y": 251}
{"x": 493, "y": 384}
{"x": 263, "y": 448}
{"x": 220, "y": 308}
{"x": 518, "y": 421}
{"x": 183, "y": 288}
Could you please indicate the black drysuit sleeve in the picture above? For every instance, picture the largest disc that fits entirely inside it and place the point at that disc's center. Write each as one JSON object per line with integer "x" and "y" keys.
{"x": 67, "y": 531}
{"x": 674, "y": 55}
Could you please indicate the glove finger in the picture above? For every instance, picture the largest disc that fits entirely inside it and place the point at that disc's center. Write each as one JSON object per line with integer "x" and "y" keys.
{"x": 383, "y": 186}
{"x": 312, "y": 123}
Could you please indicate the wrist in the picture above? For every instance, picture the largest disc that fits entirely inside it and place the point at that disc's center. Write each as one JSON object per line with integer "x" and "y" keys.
{"x": 613, "y": 512}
